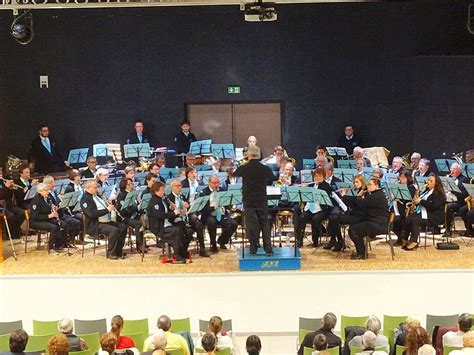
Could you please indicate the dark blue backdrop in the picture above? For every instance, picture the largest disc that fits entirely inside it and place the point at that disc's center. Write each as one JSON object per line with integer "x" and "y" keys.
{"x": 401, "y": 72}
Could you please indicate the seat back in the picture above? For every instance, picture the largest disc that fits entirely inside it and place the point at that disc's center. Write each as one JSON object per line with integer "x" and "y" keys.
{"x": 307, "y": 351}
{"x": 135, "y": 326}
{"x": 8, "y": 327}
{"x": 442, "y": 321}
{"x": 399, "y": 350}
{"x": 389, "y": 325}
{"x": 138, "y": 339}
{"x": 38, "y": 342}
{"x": 83, "y": 352}
{"x": 204, "y": 325}
{"x": 181, "y": 325}
{"x": 309, "y": 323}
{"x": 355, "y": 349}
{"x": 92, "y": 340}
{"x": 351, "y": 321}
{"x": 41, "y": 327}
{"x": 90, "y": 326}
{"x": 302, "y": 333}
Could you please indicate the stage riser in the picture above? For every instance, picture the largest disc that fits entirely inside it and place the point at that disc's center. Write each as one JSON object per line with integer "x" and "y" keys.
{"x": 282, "y": 259}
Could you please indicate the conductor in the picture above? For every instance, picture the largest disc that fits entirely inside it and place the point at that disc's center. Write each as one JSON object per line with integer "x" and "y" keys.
{"x": 255, "y": 177}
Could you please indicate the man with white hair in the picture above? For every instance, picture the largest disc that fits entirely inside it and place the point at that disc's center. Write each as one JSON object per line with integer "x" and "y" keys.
{"x": 369, "y": 343}
{"x": 397, "y": 165}
{"x": 456, "y": 200}
{"x": 102, "y": 176}
{"x": 358, "y": 153}
{"x": 427, "y": 349}
{"x": 373, "y": 326}
{"x": 415, "y": 160}
{"x": 423, "y": 168}
{"x": 44, "y": 216}
{"x": 75, "y": 343}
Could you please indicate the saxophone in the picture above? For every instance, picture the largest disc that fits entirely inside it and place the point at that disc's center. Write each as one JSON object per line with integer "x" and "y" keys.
{"x": 410, "y": 207}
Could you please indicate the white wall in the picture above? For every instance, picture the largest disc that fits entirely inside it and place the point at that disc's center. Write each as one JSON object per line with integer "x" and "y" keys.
{"x": 262, "y": 302}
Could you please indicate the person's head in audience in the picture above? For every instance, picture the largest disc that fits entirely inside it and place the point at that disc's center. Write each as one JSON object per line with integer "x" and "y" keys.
{"x": 159, "y": 342}
{"x": 158, "y": 189}
{"x": 108, "y": 342}
{"x": 368, "y": 340}
{"x": 58, "y": 345}
{"x": 464, "y": 322}
{"x": 320, "y": 342}
{"x": 329, "y": 321}
{"x": 116, "y": 325}
{"x": 416, "y": 338}
{"x": 359, "y": 182}
{"x": 413, "y": 322}
{"x": 215, "y": 325}
{"x": 373, "y": 324}
{"x": 253, "y": 345}
{"x": 65, "y": 326}
{"x": 468, "y": 340}
{"x": 18, "y": 341}
{"x": 164, "y": 323}
{"x": 427, "y": 349}
{"x": 209, "y": 343}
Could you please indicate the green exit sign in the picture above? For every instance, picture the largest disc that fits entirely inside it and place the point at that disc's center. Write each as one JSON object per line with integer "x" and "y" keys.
{"x": 232, "y": 89}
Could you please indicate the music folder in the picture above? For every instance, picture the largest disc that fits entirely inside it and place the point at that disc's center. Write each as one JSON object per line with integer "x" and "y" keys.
{"x": 300, "y": 194}
{"x": 145, "y": 201}
{"x": 141, "y": 150}
{"x": 201, "y": 147}
{"x": 449, "y": 184}
{"x": 199, "y": 204}
{"x": 337, "y": 151}
{"x": 400, "y": 191}
{"x": 70, "y": 199}
{"x": 223, "y": 151}
{"x": 229, "y": 198}
{"x": 444, "y": 165}
{"x": 469, "y": 188}
{"x": 78, "y": 156}
{"x": 31, "y": 192}
{"x": 130, "y": 199}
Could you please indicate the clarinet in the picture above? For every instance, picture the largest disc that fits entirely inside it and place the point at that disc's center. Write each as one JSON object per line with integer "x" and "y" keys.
{"x": 55, "y": 209}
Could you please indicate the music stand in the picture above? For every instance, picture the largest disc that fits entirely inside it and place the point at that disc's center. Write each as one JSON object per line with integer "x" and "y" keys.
{"x": 201, "y": 147}
{"x": 106, "y": 191}
{"x": 345, "y": 175}
{"x": 390, "y": 178}
{"x": 368, "y": 172}
{"x": 468, "y": 170}
{"x": 223, "y": 151}
{"x": 346, "y": 164}
{"x": 400, "y": 191}
{"x": 309, "y": 164}
{"x": 130, "y": 199}
{"x": 199, "y": 204}
{"x": 337, "y": 151}
{"x": 70, "y": 199}
{"x": 322, "y": 197}
{"x": 140, "y": 177}
{"x": 141, "y": 150}
{"x": 344, "y": 185}
{"x": 203, "y": 167}
{"x": 99, "y": 150}
{"x": 306, "y": 176}
{"x": 60, "y": 185}
{"x": 274, "y": 167}
{"x": 229, "y": 198}
{"x": 78, "y": 156}
{"x": 234, "y": 187}
{"x": 421, "y": 180}
{"x": 144, "y": 202}
{"x": 444, "y": 165}
{"x": 449, "y": 184}
{"x": 31, "y": 192}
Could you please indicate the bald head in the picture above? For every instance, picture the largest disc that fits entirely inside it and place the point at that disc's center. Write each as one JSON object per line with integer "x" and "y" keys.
{"x": 251, "y": 141}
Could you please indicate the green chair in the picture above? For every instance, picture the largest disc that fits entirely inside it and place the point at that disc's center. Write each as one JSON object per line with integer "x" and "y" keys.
{"x": 224, "y": 351}
{"x": 334, "y": 350}
{"x": 138, "y": 339}
{"x": 90, "y": 326}
{"x": 442, "y": 321}
{"x": 4, "y": 343}
{"x": 181, "y": 325}
{"x": 302, "y": 333}
{"x": 355, "y": 349}
{"x": 448, "y": 349}
{"x": 38, "y": 342}
{"x": 351, "y": 321}
{"x": 389, "y": 325}
{"x": 399, "y": 350}
{"x": 309, "y": 323}
{"x": 135, "y": 326}
{"x": 92, "y": 340}
{"x": 307, "y": 351}
{"x": 172, "y": 351}
{"x": 45, "y": 327}
{"x": 8, "y": 327}
{"x": 83, "y": 352}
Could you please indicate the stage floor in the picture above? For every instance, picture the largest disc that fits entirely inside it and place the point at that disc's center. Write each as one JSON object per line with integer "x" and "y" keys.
{"x": 37, "y": 262}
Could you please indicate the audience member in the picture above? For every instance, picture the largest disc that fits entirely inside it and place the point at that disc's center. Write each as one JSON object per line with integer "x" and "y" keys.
{"x": 75, "y": 343}
{"x": 209, "y": 343}
{"x": 416, "y": 338}
{"x": 372, "y": 324}
{"x": 427, "y": 349}
{"x": 320, "y": 345}
{"x": 468, "y": 345}
{"x": 108, "y": 341}
{"x": 327, "y": 325}
{"x": 456, "y": 338}
{"x": 159, "y": 342}
{"x": 369, "y": 343}
{"x": 58, "y": 345}
{"x": 253, "y": 345}
{"x": 173, "y": 341}
{"x": 123, "y": 342}
{"x": 18, "y": 341}
{"x": 216, "y": 327}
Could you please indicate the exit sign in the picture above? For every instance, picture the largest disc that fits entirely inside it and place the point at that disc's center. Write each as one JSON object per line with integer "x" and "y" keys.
{"x": 233, "y": 89}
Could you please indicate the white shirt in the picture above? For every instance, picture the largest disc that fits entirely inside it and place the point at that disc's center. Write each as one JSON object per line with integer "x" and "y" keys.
{"x": 464, "y": 351}
{"x": 102, "y": 206}
{"x": 453, "y": 339}
{"x": 223, "y": 341}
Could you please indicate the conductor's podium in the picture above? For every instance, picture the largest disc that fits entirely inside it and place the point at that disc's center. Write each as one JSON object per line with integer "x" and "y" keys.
{"x": 282, "y": 259}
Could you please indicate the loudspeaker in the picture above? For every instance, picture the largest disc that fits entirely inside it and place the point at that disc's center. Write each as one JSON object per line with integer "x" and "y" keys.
{"x": 447, "y": 246}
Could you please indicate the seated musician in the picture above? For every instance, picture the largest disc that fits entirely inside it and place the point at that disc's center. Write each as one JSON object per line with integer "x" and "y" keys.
{"x": 150, "y": 179}
{"x": 467, "y": 214}
{"x": 154, "y": 169}
{"x": 190, "y": 161}
{"x": 278, "y": 153}
{"x": 456, "y": 200}
{"x": 286, "y": 177}
{"x": 130, "y": 215}
{"x": 423, "y": 169}
{"x": 159, "y": 214}
{"x": 358, "y": 153}
{"x": 191, "y": 182}
{"x": 321, "y": 151}
{"x": 44, "y": 216}
{"x": 187, "y": 221}
{"x": 378, "y": 174}
{"x": 25, "y": 183}
{"x": 102, "y": 175}
{"x": 161, "y": 161}
{"x": 91, "y": 170}
{"x": 98, "y": 220}
{"x": 213, "y": 215}
{"x": 375, "y": 207}
{"x": 70, "y": 222}
{"x": 74, "y": 181}
{"x": 231, "y": 179}
{"x": 313, "y": 211}
{"x": 330, "y": 178}
{"x": 400, "y": 206}
{"x": 129, "y": 173}
{"x": 397, "y": 165}
{"x": 320, "y": 161}
{"x": 415, "y": 160}
{"x": 360, "y": 165}
{"x": 15, "y": 215}
{"x": 429, "y": 212}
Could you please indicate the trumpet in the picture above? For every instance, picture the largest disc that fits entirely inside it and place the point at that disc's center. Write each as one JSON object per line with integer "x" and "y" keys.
{"x": 15, "y": 186}
{"x": 284, "y": 180}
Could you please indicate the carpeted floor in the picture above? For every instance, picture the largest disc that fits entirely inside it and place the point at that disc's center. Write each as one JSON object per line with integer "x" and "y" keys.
{"x": 37, "y": 262}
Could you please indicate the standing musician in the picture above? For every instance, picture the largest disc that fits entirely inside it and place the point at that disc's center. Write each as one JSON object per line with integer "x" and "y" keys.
{"x": 255, "y": 177}
{"x": 350, "y": 139}
{"x": 44, "y": 156}
{"x": 25, "y": 183}
{"x": 74, "y": 181}
{"x": 397, "y": 165}
{"x": 213, "y": 215}
{"x": 130, "y": 215}
{"x": 313, "y": 211}
{"x": 400, "y": 206}
{"x": 70, "y": 223}
{"x": 423, "y": 169}
{"x": 374, "y": 205}
{"x": 159, "y": 215}
{"x": 191, "y": 182}
{"x": 429, "y": 212}
{"x": 184, "y": 138}
{"x": 189, "y": 222}
{"x": 456, "y": 199}
{"x": 154, "y": 169}
{"x": 98, "y": 220}
{"x": 15, "y": 215}
{"x": 44, "y": 216}
{"x": 91, "y": 170}
{"x": 335, "y": 210}
{"x": 138, "y": 137}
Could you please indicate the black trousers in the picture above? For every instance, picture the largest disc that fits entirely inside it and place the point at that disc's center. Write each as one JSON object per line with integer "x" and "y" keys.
{"x": 358, "y": 231}
{"x": 468, "y": 218}
{"x": 229, "y": 226}
{"x": 57, "y": 237}
{"x": 413, "y": 225}
{"x": 71, "y": 225}
{"x": 136, "y": 225}
{"x": 198, "y": 227}
{"x": 15, "y": 217}
{"x": 256, "y": 220}
{"x": 316, "y": 219}
{"x": 176, "y": 237}
{"x": 399, "y": 226}
{"x": 333, "y": 224}
{"x": 453, "y": 208}
{"x": 116, "y": 233}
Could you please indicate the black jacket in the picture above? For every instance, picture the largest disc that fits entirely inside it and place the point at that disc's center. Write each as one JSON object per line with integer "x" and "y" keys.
{"x": 70, "y": 188}
{"x": 326, "y": 187}
{"x": 157, "y": 215}
{"x": 133, "y": 139}
{"x": 375, "y": 207}
{"x": 463, "y": 194}
{"x": 125, "y": 212}
{"x": 183, "y": 142}
{"x": 91, "y": 214}
{"x": 46, "y": 162}
{"x": 40, "y": 209}
{"x": 349, "y": 144}
{"x": 255, "y": 178}
{"x": 402, "y": 204}
{"x": 87, "y": 174}
{"x": 20, "y": 195}
{"x": 332, "y": 339}
{"x": 434, "y": 205}
{"x": 333, "y": 182}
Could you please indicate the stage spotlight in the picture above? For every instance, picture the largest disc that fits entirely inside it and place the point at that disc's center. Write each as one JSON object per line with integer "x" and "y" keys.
{"x": 22, "y": 28}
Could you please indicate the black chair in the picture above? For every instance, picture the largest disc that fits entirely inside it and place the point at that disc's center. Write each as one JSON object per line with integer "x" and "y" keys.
{"x": 94, "y": 238}
{"x": 38, "y": 233}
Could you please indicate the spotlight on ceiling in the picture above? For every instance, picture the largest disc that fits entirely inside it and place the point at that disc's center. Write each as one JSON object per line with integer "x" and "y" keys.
{"x": 22, "y": 27}
{"x": 260, "y": 11}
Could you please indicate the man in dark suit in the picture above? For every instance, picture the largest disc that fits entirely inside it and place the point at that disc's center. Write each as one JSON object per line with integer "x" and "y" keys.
{"x": 138, "y": 137}
{"x": 25, "y": 184}
{"x": 98, "y": 221}
{"x": 184, "y": 138}
{"x": 350, "y": 139}
{"x": 213, "y": 215}
{"x": 44, "y": 156}
{"x": 255, "y": 177}
{"x": 423, "y": 169}
{"x": 327, "y": 325}
{"x": 91, "y": 170}
{"x": 456, "y": 199}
